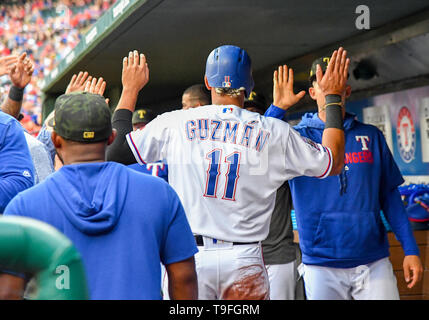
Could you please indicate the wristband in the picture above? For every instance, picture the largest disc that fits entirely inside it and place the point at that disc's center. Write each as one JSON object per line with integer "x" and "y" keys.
{"x": 16, "y": 94}
{"x": 332, "y": 98}
{"x": 334, "y": 116}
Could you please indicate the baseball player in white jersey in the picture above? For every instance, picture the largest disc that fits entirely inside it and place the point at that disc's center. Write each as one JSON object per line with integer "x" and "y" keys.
{"x": 226, "y": 164}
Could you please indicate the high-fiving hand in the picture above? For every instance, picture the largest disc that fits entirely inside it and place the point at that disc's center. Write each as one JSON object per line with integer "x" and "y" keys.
{"x": 21, "y": 72}
{"x": 283, "y": 95}
{"x": 96, "y": 86}
{"x": 78, "y": 82}
{"x": 6, "y": 64}
{"x": 334, "y": 80}
{"x": 135, "y": 71}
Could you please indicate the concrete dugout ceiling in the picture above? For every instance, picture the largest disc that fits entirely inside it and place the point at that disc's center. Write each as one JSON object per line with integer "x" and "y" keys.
{"x": 178, "y": 35}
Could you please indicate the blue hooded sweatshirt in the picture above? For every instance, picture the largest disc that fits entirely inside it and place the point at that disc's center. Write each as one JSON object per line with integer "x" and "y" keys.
{"x": 338, "y": 218}
{"x": 16, "y": 166}
{"x": 123, "y": 223}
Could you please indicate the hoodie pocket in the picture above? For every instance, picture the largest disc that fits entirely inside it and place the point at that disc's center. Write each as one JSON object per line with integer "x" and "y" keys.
{"x": 348, "y": 235}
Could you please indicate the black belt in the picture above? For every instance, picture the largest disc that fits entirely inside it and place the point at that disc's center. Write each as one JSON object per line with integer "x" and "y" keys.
{"x": 200, "y": 242}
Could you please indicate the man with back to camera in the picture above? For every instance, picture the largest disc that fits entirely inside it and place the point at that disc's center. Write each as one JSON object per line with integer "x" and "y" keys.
{"x": 96, "y": 204}
{"x": 343, "y": 240}
{"x": 17, "y": 171}
{"x": 229, "y": 200}
{"x": 16, "y": 167}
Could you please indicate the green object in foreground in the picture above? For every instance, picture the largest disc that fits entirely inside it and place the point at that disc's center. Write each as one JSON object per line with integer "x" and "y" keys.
{"x": 34, "y": 247}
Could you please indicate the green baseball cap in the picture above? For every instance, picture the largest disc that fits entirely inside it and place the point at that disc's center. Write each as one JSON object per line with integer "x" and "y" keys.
{"x": 143, "y": 116}
{"x": 82, "y": 117}
{"x": 256, "y": 100}
{"x": 323, "y": 62}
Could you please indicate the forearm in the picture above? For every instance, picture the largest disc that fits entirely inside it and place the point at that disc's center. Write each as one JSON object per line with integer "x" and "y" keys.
{"x": 12, "y": 107}
{"x": 11, "y": 287}
{"x": 128, "y": 99}
{"x": 184, "y": 288}
{"x": 119, "y": 151}
{"x": 182, "y": 280}
{"x": 334, "y": 139}
{"x": 395, "y": 213}
{"x": 275, "y": 112}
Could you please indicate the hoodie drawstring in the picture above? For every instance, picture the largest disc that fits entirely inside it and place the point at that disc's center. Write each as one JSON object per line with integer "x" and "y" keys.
{"x": 343, "y": 181}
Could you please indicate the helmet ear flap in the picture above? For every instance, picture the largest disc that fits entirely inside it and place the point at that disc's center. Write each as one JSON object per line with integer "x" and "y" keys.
{"x": 229, "y": 67}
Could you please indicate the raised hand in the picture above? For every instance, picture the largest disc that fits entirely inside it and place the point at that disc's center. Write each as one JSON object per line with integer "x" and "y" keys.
{"x": 6, "y": 64}
{"x": 96, "y": 86}
{"x": 21, "y": 72}
{"x": 283, "y": 94}
{"x": 135, "y": 71}
{"x": 335, "y": 78}
{"x": 78, "y": 82}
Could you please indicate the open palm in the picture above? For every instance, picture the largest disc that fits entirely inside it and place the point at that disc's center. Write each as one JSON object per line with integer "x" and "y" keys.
{"x": 283, "y": 94}
{"x": 21, "y": 72}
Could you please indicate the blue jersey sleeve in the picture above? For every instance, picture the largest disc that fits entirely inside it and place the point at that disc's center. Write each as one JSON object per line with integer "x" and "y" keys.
{"x": 391, "y": 202}
{"x": 275, "y": 112}
{"x": 179, "y": 243}
{"x": 16, "y": 166}
{"x": 395, "y": 213}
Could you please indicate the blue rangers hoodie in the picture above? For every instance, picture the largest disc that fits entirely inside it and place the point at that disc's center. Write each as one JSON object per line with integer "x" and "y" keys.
{"x": 123, "y": 223}
{"x": 338, "y": 218}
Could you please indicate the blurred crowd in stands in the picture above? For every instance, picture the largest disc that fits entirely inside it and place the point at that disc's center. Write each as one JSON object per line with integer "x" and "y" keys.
{"x": 47, "y": 30}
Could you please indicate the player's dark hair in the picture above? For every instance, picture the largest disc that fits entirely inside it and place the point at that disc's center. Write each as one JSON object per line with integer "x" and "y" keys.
{"x": 199, "y": 92}
{"x": 311, "y": 80}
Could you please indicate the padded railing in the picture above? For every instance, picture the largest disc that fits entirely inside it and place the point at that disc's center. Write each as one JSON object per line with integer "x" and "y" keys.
{"x": 36, "y": 248}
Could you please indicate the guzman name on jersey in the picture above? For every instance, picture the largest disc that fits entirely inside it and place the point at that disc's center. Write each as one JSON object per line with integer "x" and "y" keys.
{"x": 232, "y": 132}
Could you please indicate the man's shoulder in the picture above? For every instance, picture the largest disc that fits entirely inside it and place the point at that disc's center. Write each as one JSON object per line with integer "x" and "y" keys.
{"x": 366, "y": 128}
{"x": 6, "y": 120}
{"x": 38, "y": 193}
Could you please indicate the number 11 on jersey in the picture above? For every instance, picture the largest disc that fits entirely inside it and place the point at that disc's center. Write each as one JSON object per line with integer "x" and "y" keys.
{"x": 213, "y": 173}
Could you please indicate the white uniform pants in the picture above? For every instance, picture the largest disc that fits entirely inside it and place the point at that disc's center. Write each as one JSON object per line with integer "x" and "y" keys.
{"x": 283, "y": 279}
{"x": 373, "y": 281}
{"x": 229, "y": 272}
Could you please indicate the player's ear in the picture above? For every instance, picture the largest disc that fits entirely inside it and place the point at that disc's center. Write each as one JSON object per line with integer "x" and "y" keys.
{"x": 207, "y": 83}
{"x": 112, "y": 137}
{"x": 312, "y": 93}
{"x": 56, "y": 140}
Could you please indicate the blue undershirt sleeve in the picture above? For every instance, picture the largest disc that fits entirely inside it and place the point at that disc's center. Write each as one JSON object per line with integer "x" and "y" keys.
{"x": 275, "y": 112}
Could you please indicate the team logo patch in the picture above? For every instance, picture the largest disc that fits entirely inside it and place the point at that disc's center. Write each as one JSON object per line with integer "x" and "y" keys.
{"x": 141, "y": 113}
{"x": 226, "y": 83}
{"x": 406, "y": 135}
{"x": 227, "y": 110}
{"x": 26, "y": 173}
{"x": 311, "y": 143}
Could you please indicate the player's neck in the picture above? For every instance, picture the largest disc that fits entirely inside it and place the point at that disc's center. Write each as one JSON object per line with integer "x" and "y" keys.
{"x": 77, "y": 154}
{"x": 228, "y": 100}
{"x": 322, "y": 114}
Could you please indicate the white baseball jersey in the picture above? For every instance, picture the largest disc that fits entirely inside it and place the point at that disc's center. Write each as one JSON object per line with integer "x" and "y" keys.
{"x": 226, "y": 164}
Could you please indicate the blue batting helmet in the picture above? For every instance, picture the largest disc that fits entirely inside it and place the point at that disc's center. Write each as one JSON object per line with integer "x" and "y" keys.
{"x": 229, "y": 67}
